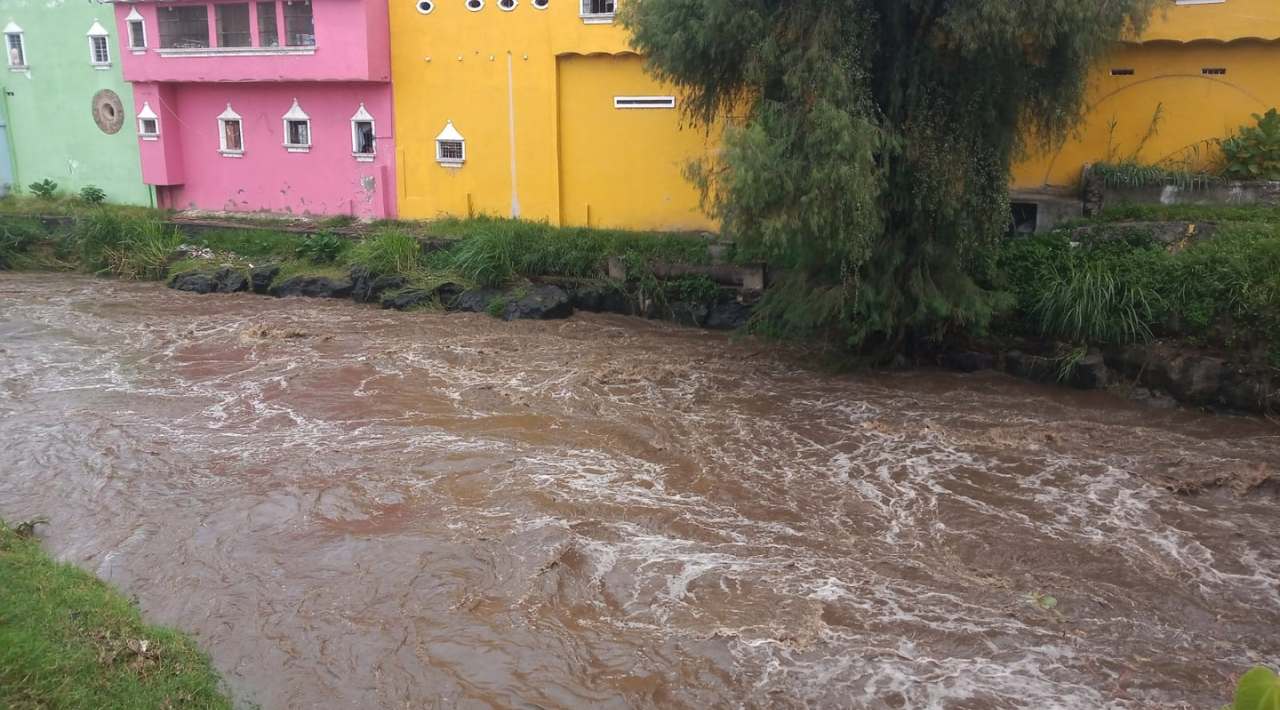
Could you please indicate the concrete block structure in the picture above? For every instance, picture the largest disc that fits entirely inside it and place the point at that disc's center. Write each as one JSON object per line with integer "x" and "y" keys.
{"x": 66, "y": 110}
{"x": 278, "y": 106}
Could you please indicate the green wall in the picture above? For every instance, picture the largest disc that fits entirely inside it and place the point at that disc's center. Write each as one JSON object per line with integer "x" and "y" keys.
{"x": 50, "y": 105}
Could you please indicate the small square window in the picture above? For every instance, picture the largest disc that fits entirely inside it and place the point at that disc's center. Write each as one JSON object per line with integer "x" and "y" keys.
{"x": 451, "y": 151}
{"x": 298, "y": 134}
{"x": 99, "y": 51}
{"x": 148, "y": 127}
{"x": 17, "y": 49}
{"x": 598, "y": 10}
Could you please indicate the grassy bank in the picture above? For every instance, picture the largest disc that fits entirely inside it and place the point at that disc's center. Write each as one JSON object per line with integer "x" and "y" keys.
{"x": 481, "y": 252}
{"x": 1207, "y": 276}
{"x": 67, "y": 640}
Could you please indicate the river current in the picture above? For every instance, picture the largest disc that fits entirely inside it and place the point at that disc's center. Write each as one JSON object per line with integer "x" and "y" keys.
{"x": 349, "y": 507}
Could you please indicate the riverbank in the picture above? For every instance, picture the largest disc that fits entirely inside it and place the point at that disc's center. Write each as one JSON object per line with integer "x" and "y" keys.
{"x": 1161, "y": 304}
{"x": 67, "y": 640}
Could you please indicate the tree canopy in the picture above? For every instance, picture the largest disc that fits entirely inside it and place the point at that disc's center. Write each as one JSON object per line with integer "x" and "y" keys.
{"x": 868, "y": 143}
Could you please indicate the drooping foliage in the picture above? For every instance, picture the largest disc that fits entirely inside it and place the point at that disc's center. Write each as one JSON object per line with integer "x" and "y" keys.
{"x": 867, "y": 143}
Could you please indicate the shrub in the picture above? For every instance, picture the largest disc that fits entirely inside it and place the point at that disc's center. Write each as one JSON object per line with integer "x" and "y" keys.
{"x": 93, "y": 195}
{"x": 45, "y": 189}
{"x": 321, "y": 248}
{"x": 1254, "y": 152}
{"x": 391, "y": 252}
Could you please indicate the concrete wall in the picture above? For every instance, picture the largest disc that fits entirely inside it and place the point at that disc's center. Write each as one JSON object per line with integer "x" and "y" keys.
{"x": 327, "y": 180}
{"x": 531, "y": 92}
{"x": 49, "y": 105}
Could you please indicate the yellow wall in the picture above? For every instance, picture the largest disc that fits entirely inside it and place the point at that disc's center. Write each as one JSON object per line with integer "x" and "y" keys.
{"x": 1194, "y": 109}
{"x": 572, "y": 148}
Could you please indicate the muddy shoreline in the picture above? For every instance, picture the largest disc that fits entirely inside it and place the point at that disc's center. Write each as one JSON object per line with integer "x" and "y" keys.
{"x": 356, "y": 507}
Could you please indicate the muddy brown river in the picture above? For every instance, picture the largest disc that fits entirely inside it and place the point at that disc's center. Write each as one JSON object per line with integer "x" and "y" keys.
{"x": 352, "y": 508}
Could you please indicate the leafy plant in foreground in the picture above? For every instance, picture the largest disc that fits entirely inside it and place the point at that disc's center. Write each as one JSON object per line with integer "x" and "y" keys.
{"x": 321, "y": 248}
{"x": 93, "y": 195}
{"x": 45, "y": 189}
{"x": 1259, "y": 689}
{"x": 1254, "y": 152}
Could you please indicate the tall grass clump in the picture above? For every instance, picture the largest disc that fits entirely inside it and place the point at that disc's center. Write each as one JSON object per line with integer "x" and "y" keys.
{"x": 17, "y": 238}
{"x": 389, "y": 252}
{"x": 1087, "y": 302}
{"x": 494, "y": 252}
{"x": 124, "y": 246}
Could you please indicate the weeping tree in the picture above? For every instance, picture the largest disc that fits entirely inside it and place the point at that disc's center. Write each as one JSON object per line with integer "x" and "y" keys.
{"x": 867, "y": 143}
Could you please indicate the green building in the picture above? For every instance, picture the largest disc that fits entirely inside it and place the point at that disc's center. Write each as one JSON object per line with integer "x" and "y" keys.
{"x": 67, "y": 113}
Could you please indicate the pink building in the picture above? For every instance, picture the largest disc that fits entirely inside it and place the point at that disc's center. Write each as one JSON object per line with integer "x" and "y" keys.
{"x": 279, "y": 106}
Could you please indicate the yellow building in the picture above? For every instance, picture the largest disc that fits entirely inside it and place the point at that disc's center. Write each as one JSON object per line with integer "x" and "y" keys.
{"x": 536, "y": 109}
{"x": 539, "y": 109}
{"x": 1197, "y": 74}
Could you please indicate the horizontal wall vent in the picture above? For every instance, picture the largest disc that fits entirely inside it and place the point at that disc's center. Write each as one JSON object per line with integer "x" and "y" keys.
{"x": 1214, "y": 71}
{"x": 1122, "y": 72}
{"x": 644, "y": 102}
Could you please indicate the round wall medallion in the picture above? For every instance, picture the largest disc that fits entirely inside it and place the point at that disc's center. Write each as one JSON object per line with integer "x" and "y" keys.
{"x": 108, "y": 112}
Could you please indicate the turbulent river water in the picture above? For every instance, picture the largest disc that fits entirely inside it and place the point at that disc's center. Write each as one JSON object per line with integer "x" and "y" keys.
{"x": 357, "y": 508}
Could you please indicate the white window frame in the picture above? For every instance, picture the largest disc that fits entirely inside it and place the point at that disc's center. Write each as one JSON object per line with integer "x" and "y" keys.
{"x": 362, "y": 115}
{"x": 514, "y": 4}
{"x": 230, "y": 116}
{"x": 98, "y": 33}
{"x": 450, "y": 135}
{"x": 13, "y": 30}
{"x": 425, "y": 7}
{"x": 540, "y": 4}
{"x": 297, "y": 115}
{"x": 596, "y": 18}
{"x": 631, "y": 103}
{"x": 147, "y": 114}
{"x": 136, "y": 24}
{"x": 473, "y": 5}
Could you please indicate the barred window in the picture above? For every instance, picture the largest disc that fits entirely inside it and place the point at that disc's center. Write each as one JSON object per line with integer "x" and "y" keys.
{"x": 184, "y": 26}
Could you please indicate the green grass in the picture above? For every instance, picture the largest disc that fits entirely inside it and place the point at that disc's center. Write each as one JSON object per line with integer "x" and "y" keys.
{"x": 66, "y": 206}
{"x": 252, "y": 244}
{"x": 67, "y": 640}
{"x": 1124, "y": 212}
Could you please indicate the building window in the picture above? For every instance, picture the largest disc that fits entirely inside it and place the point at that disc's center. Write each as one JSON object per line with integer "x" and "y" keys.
{"x": 148, "y": 123}
{"x": 299, "y": 28}
{"x": 644, "y": 102}
{"x": 475, "y": 5}
{"x": 451, "y": 148}
{"x": 233, "y": 25}
{"x": 598, "y": 10}
{"x": 541, "y": 4}
{"x": 230, "y": 133}
{"x": 268, "y": 25}
{"x": 507, "y": 5}
{"x": 17, "y": 46}
{"x": 425, "y": 6}
{"x": 99, "y": 47}
{"x": 137, "y": 30}
{"x": 184, "y": 26}
{"x": 297, "y": 129}
{"x": 363, "y": 140}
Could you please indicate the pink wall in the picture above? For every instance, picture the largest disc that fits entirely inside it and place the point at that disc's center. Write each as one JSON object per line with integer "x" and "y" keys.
{"x": 328, "y": 180}
{"x": 352, "y": 44}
